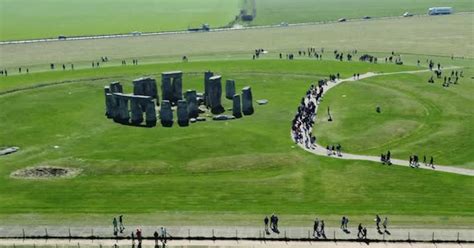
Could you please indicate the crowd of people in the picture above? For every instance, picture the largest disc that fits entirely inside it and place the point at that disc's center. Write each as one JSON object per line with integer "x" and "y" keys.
{"x": 303, "y": 121}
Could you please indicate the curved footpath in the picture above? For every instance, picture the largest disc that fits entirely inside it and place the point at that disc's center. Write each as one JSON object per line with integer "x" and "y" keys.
{"x": 321, "y": 150}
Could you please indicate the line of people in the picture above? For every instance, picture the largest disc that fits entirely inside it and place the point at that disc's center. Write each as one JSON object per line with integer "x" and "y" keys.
{"x": 415, "y": 163}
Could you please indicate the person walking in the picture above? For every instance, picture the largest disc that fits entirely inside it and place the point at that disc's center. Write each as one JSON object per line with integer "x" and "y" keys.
{"x": 343, "y": 221}
{"x": 315, "y": 228}
{"x": 121, "y": 226}
{"x": 359, "y": 231}
{"x": 377, "y": 221}
{"x": 385, "y": 223}
{"x": 321, "y": 230}
{"x": 265, "y": 221}
{"x": 114, "y": 222}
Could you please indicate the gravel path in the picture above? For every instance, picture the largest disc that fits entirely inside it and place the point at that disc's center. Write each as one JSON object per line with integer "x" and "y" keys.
{"x": 242, "y": 232}
{"x": 321, "y": 150}
{"x": 229, "y": 244}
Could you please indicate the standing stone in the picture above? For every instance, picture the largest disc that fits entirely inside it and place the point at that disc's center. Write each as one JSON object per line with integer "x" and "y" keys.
{"x": 236, "y": 108}
{"x": 193, "y": 108}
{"x": 207, "y": 76}
{"x": 139, "y": 86}
{"x": 136, "y": 109}
{"x": 123, "y": 115}
{"x": 166, "y": 89}
{"x": 116, "y": 87}
{"x": 171, "y": 86}
{"x": 177, "y": 87}
{"x": 183, "y": 118}
{"x": 107, "y": 105}
{"x": 146, "y": 87}
{"x": 215, "y": 93}
{"x": 150, "y": 113}
{"x": 111, "y": 107}
{"x": 230, "y": 89}
{"x": 247, "y": 106}
{"x": 166, "y": 114}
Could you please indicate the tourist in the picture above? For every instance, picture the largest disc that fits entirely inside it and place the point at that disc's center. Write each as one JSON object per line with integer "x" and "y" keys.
{"x": 377, "y": 221}
{"x": 114, "y": 222}
{"x": 265, "y": 221}
{"x": 385, "y": 223}
{"x": 343, "y": 221}
{"x": 321, "y": 230}
{"x": 122, "y": 227}
{"x": 316, "y": 228}
{"x": 359, "y": 229}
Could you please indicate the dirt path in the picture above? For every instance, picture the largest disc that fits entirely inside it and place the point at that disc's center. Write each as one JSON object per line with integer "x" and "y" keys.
{"x": 321, "y": 151}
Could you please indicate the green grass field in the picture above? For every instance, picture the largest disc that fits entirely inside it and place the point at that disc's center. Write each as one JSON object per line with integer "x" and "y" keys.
{"x": 238, "y": 169}
{"x": 27, "y": 19}
{"x": 298, "y": 11}
{"x": 421, "y": 39}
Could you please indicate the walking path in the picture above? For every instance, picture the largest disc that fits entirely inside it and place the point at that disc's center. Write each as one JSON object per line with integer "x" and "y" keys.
{"x": 221, "y": 243}
{"x": 321, "y": 150}
{"x": 235, "y": 233}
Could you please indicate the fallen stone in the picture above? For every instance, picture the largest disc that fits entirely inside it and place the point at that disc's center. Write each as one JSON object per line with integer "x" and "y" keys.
{"x": 201, "y": 119}
{"x": 223, "y": 117}
{"x": 8, "y": 150}
{"x": 262, "y": 101}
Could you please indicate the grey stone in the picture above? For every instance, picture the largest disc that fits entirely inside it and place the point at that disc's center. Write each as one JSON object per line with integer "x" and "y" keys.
{"x": 177, "y": 88}
{"x": 171, "y": 86}
{"x": 109, "y": 103}
{"x": 214, "y": 95}
{"x": 166, "y": 89}
{"x": 262, "y": 101}
{"x": 9, "y": 150}
{"x": 182, "y": 112}
{"x": 136, "y": 109}
{"x": 207, "y": 76}
{"x": 150, "y": 113}
{"x": 192, "y": 120}
{"x": 230, "y": 89}
{"x": 107, "y": 106}
{"x": 146, "y": 87}
{"x": 247, "y": 106}
{"x": 166, "y": 114}
{"x": 236, "y": 106}
{"x": 193, "y": 107}
{"x": 223, "y": 117}
{"x": 201, "y": 119}
{"x": 122, "y": 115}
{"x": 116, "y": 87}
